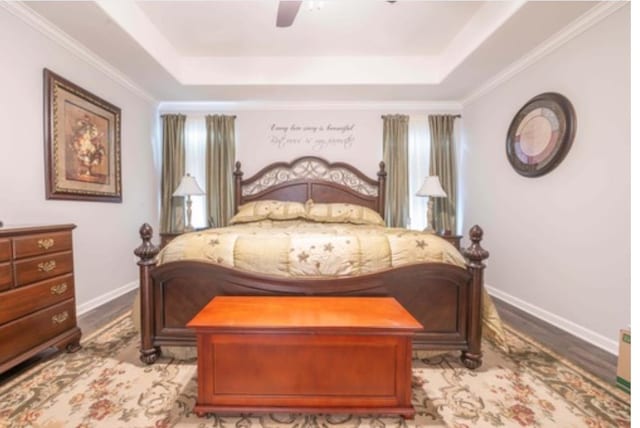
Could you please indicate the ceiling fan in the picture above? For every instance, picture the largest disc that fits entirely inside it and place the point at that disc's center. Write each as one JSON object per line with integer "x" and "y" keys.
{"x": 287, "y": 11}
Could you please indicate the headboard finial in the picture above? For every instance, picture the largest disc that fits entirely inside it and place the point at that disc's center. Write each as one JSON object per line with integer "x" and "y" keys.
{"x": 238, "y": 170}
{"x": 382, "y": 172}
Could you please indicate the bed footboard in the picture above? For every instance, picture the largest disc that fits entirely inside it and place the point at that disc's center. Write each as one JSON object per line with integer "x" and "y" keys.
{"x": 444, "y": 298}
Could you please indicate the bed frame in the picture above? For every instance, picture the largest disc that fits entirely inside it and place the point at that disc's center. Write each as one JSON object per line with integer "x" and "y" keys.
{"x": 445, "y": 299}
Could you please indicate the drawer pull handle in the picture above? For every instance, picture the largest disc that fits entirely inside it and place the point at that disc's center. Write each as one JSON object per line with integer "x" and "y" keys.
{"x": 45, "y": 244}
{"x": 59, "y": 288}
{"x": 47, "y": 266}
{"x": 60, "y": 318}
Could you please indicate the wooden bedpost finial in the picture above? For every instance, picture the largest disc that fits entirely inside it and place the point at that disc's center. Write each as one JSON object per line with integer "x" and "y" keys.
{"x": 238, "y": 170}
{"x": 475, "y": 253}
{"x": 146, "y": 232}
{"x": 382, "y": 172}
{"x": 146, "y": 251}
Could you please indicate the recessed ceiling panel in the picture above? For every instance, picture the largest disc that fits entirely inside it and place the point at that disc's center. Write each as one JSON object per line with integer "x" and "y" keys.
{"x": 346, "y": 27}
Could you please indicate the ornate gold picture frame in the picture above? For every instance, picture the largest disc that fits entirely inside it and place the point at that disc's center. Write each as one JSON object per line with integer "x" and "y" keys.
{"x": 82, "y": 143}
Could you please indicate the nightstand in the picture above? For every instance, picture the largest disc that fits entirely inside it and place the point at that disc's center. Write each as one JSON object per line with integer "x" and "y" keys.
{"x": 452, "y": 239}
{"x": 166, "y": 237}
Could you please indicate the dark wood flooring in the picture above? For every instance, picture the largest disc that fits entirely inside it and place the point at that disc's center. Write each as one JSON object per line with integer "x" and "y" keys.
{"x": 581, "y": 353}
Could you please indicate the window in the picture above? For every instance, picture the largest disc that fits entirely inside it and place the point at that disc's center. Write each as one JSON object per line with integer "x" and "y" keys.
{"x": 195, "y": 147}
{"x": 419, "y": 147}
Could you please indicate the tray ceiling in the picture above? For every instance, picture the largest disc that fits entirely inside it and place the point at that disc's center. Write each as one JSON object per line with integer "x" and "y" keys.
{"x": 347, "y": 50}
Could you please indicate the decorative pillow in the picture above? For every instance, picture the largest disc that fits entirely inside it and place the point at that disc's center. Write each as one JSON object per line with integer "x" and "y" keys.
{"x": 268, "y": 209}
{"x": 342, "y": 213}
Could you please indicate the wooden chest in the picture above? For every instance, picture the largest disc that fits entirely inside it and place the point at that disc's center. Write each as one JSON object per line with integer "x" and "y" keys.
{"x": 37, "y": 292}
{"x": 304, "y": 354}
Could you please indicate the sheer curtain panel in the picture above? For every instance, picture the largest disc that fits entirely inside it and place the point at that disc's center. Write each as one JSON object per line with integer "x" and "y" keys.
{"x": 395, "y": 154}
{"x": 195, "y": 154}
{"x": 221, "y": 154}
{"x": 418, "y": 169}
{"x": 172, "y": 209}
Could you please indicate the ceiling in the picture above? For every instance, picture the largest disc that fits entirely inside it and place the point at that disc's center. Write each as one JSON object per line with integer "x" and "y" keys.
{"x": 364, "y": 50}
{"x": 355, "y": 27}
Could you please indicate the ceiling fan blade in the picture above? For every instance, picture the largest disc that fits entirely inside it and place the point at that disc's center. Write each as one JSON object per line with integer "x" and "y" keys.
{"x": 287, "y": 11}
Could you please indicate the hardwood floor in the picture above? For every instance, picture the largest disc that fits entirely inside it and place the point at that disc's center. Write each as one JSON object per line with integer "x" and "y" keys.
{"x": 581, "y": 353}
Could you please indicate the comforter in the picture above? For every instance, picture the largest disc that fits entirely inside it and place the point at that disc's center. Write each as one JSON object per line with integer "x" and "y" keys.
{"x": 301, "y": 248}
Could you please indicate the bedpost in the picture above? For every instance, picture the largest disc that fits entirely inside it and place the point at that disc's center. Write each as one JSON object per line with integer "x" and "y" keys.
{"x": 147, "y": 253}
{"x": 237, "y": 187}
{"x": 382, "y": 188}
{"x": 472, "y": 357}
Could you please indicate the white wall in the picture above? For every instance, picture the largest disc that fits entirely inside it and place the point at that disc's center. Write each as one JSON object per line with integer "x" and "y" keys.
{"x": 107, "y": 233}
{"x": 559, "y": 243}
{"x": 359, "y": 144}
{"x": 344, "y": 132}
{"x": 256, "y": 144}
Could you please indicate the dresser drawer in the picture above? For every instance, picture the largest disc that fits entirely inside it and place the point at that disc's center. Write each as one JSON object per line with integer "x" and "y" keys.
{"x": 28, "y": 332}
{"x": 39, "y": 268}
{"x": 45, "y": 243}
{"x": 25, "y": 300}
{"x": 6, "y": 278}
{"x": 5, "y": 250}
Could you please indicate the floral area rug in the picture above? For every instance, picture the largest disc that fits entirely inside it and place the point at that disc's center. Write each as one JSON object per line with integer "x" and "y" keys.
{"x": 105, "y": 385}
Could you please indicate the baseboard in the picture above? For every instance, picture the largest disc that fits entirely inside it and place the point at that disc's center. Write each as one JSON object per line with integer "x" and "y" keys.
{"x": 590, "y": 336}
{"x": 106, "y": 297}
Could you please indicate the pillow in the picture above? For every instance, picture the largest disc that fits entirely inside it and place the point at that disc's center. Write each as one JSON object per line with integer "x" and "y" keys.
{"x": 342, "y": 213}
{"x": 269, "y": 209}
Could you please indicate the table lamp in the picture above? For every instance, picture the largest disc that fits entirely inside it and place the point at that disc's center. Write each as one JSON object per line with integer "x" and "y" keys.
{"x": 433, "y": 189}
{"x": 188, "y": 186}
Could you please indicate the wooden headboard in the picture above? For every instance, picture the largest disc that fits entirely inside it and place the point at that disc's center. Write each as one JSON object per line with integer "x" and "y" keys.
{"x": 311, "y": 177}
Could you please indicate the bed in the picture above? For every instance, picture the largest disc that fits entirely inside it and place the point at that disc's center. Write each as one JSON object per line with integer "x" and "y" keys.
{"x": 446, "y": 298}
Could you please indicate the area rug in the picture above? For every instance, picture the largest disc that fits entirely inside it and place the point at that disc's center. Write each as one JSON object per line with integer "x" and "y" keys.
{"x": 105, "y": 385}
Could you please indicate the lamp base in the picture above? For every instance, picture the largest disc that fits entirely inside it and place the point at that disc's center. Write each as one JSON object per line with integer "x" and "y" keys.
{"x": 188, "y": 227}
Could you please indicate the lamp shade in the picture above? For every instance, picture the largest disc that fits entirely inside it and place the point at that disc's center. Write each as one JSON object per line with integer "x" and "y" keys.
{"x": 188, "y": 186}
{"x": 431, "y": 187}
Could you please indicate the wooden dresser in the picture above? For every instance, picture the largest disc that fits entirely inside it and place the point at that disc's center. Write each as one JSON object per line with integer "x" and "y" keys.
{"x": 37, "y": 293}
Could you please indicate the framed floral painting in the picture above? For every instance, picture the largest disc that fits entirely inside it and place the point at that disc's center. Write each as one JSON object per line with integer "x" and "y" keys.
{"x": 82, "y": 143}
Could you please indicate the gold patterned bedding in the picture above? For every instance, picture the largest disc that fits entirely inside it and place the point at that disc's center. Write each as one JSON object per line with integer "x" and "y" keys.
{"x": 300, "y": 248}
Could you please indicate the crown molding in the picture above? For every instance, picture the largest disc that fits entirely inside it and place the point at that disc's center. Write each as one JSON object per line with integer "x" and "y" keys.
{"x": 36, "y": 21}
{"x": 235, "y": 106}
{"x": 577, "y": 27}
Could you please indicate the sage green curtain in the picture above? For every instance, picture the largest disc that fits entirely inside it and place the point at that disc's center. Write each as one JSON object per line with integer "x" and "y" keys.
{"x": 443, "y": 164}
{"x": 396, "y": 157}
{"x": 221, "y": 155}
{"x": 173, "y": 156}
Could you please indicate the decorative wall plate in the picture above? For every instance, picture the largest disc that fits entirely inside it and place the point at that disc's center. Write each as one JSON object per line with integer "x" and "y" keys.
{"x": 540, "y": 135}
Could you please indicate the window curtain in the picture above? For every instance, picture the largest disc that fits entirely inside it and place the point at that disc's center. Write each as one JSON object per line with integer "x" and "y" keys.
{"x": 395, "y": 155}
{"x": 221, "y": 147}
{"x": 443, "y": 164}
{"x": 172, "y": 212}
{"x": 418, "y": 169}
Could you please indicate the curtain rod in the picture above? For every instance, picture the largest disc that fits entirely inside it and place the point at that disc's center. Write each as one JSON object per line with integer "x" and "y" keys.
{"x": 218, "y": 114}
{"x": 187, "y": 114}
{"x": 455, "y": 116}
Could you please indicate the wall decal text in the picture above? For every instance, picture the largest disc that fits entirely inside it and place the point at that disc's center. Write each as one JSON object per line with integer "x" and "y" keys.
{"x": 317, "y": 137}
